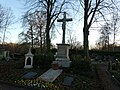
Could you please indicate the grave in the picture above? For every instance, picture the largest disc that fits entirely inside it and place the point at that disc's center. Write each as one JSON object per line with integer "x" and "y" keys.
{"x": 30, "y": 75}
{"x": 62, "y": 57}
{"x": 50, "y": 75}
{"x": 29, "y": 60}
{"x": 68, "y": 81}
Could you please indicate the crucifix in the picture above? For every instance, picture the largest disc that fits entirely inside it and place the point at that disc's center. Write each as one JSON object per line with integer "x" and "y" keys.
{"x": 64, "y": 20}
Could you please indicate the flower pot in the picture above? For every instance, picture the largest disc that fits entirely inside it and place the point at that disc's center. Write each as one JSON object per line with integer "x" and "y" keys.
{"x": 55, "y": 66}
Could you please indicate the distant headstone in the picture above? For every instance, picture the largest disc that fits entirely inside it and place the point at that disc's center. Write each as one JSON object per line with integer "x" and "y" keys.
{"x": 6, "y": 55}
{"x": 29, "y": 75}
{"x": 68, "y": 81}
{"x": 50, "y": 75}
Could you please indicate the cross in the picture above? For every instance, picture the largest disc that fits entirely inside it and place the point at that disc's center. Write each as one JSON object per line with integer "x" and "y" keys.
{"x": 64, "y": 20}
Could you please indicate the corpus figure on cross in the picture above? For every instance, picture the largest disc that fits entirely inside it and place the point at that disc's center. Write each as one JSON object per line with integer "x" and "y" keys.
{"x": 64, "y": 20}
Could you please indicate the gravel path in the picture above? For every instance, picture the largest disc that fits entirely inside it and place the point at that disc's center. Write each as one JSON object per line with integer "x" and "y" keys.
{"x": 105, "y": 78}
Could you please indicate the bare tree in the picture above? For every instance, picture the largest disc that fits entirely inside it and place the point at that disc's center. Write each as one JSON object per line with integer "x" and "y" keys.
{"x": 29, "y": 22}
{"x": 35, "y": 24}
{"x": 23, "y": 37}
{"x": 92, "y": 9}
{"x": 114, "y": 26}
{"x": 104, "y": 39}
{"x": 108, "y": 30}
{"x": 6, "y": 19}
{"x": 7, "y": 22}
{"x": 53, "y": 8}
{"x": 72, "y": 41}
{"x": 40, "y": 29}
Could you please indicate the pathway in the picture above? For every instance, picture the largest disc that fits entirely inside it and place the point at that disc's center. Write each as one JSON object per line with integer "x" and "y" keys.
{"x": 105, "y": 78}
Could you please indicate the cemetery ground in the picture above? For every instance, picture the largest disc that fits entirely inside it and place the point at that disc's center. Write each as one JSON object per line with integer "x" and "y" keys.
{"x": 84, "y": 77}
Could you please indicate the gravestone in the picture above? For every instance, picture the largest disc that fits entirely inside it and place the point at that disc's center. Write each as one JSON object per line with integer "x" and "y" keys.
{"x": 29, "y": 60}
{"x": 68, "y": 81}
{"x": 30, "y": 75}
{"x": 62, "y": 57}
{"x": 50, "y": 75}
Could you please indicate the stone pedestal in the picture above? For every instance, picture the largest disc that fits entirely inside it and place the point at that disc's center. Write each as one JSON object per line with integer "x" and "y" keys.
{"x": 28, "y": 60}
{"x": 62, "y": 57}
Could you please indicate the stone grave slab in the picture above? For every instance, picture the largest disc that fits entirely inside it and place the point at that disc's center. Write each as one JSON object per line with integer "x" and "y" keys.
{"x": 50, "y": 75}
{"x": 68, "y": 81}
{"x": 29, "y": 75}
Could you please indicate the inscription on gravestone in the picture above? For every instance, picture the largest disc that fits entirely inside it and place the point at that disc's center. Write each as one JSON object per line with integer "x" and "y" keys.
{"x": 62, "y": 51}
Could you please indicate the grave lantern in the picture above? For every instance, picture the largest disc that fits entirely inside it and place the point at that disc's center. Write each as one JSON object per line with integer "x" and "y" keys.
{"x": 28, "y": 60}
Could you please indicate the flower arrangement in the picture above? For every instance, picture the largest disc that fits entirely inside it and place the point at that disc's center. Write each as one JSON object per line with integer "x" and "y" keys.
{"x": 55, "y": 66}
{"x": 38, "y": 84}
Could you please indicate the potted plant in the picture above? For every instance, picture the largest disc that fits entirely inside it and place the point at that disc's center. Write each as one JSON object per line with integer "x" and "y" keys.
{"x": 55, "y": 66}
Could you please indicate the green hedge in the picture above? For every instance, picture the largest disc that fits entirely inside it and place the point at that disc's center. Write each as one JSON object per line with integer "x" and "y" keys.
{"x": 79, "y": 64}
{"x": 43, "y": 60}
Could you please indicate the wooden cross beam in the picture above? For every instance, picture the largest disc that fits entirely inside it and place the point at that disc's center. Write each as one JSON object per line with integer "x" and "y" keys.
{"x": 64, "y": 20}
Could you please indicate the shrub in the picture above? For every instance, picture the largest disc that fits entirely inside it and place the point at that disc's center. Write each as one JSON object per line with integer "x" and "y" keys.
{"x": 43, "y": 60}
{"x": 79, "y": 65}
{"x": 76, "y": 57}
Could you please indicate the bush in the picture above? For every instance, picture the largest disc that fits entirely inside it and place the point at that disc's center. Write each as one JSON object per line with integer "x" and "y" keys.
{"x": 76, "y": 57}
{"x": 43, "y": 60}
{"x": 80, "y": 65}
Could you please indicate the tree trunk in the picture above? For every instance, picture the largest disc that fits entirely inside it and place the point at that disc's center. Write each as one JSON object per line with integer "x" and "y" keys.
{"x": 31, "y": 36}
{"x": 86, "y": 32}
{"x": 4, "y": 37}
{"x": 86, "y": 43}
{"x": 41, "y": 40}
{"x": 48, "y": 41}
{"x": 48, "y": 27}
{"x": 47, "y": 36}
